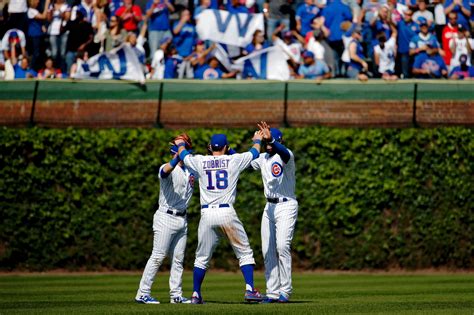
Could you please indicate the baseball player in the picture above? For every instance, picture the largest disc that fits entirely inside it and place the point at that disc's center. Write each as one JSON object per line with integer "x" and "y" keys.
{"x": 170, "y": 229}
{"x": 218, "y": 175}
{"x": 277, "y": 165}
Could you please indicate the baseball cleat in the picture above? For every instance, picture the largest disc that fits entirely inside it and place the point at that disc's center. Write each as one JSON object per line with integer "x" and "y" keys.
{"x": 283, "y": 299}
{"x": 253, "y": 296}
{"x": 196, "y": 299}
{"x": 146, "y": 299}
{"x": 180, "y": 300}
{"x": 268, "y": 300}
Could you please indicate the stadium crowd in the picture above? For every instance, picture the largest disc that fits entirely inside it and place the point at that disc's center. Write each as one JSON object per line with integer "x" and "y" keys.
{"x": 356, "y": 39}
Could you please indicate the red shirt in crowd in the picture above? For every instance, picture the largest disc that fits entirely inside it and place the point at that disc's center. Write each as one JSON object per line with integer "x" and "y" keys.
{"x": 448, "y": 33}
{"x": 130, "y": 18}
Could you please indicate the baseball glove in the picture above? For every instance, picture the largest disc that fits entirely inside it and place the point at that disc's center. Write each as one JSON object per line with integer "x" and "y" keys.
{"x": 186, "y": 139}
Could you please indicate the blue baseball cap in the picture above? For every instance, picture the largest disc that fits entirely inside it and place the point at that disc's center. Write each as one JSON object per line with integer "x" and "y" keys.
{"x": 13, "y": 34}
{"x": 422, "y": 21}
{"x": 218, "y": 141}
{"x": 276, "y": 134}
{"x": 308, "y": 54}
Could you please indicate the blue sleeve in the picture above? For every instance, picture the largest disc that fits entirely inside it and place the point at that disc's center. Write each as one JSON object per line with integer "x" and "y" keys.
{"x": 163, "y": 174}
{"x": 255, "y": 153}
{"x": 282, "y": 151}
{"x": 418, "y": 61}
{"x": 183, "y": 154}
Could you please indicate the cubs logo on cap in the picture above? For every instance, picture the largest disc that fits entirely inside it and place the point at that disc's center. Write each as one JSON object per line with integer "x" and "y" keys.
{"x": 277, "y": 169}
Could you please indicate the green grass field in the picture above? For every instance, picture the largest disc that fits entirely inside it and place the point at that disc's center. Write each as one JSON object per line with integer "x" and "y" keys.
{"x": 314, "y": 293}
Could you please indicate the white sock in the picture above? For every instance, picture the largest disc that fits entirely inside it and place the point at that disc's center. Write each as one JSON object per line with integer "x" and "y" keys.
{"x": 248, "y": 287}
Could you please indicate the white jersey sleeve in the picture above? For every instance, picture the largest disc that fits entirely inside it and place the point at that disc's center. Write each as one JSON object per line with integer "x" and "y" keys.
{"x": 256, "y": 163}
{"x": 176, "y": 189}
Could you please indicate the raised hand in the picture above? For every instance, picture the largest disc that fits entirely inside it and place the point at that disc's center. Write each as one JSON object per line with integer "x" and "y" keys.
{"x": 265, "y": 129}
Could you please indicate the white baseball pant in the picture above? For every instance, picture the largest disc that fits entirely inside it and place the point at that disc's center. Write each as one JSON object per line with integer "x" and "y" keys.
{"x": 278, "y": 226}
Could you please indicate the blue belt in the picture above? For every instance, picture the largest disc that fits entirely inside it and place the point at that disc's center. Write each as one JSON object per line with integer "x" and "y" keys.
{"x": 176, "y": 213}
{"x": 277, "y": 200}
{"x": 223, "y": 205}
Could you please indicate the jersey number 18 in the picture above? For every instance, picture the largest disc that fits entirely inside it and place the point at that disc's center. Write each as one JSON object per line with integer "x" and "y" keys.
{"x": 221, "y": 181}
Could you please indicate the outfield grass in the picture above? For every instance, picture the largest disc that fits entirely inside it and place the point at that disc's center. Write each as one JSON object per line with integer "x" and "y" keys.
{"x": 314, "y": 293}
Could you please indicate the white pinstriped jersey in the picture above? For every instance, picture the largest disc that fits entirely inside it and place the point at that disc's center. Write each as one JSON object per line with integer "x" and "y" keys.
{"x": 278, "y": 177}
{"x": 218, "y": 175}
{"x": 176, "y": 189}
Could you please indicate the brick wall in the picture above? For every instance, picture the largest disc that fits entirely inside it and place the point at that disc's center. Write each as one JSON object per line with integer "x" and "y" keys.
{"x": 236, "y": 113}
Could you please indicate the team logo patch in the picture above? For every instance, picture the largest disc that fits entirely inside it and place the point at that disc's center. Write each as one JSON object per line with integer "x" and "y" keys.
{"x": 191, "y": 180}
{"x": 277, "y": 169}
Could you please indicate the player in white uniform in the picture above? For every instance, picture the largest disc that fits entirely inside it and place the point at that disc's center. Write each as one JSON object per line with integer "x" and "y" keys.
{"x": 277, "y": 165}
{"x": 218, "y": 175}
{"x": 170, "y": 230}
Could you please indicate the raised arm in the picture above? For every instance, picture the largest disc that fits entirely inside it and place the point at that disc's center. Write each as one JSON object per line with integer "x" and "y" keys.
{"x": 280, "y": 149}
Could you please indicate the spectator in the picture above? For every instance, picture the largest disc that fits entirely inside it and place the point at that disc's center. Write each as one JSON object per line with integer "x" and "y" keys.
{"x": 292, "y": 48}
{"x": 200, "y": 54}
{"x": 384, "y": 55}
{"x": 204, "y": 4}
{"x": 114, "y": 5}
{"x": 130, "y": 14}
{"x": 429, "y": 64}
{"x": 59, "y": 14}
{"x": 357, "y": 68}
{"x": 313, "y": 68}
{"x": 380, "y": 24}
{"x": 461, "y": 8}
{"x": 49, "y": 71}
{"x": 17, "y": 17}
{"x": 305, "y": 14}
{"x": 158, "y": 12}
{"x": 418, "y": 43}
{"x": 35, "y": 31}
{"x": 172, "y": 62}
{"x": 397, "y": 10}
{"x": 99, "y": 23}
{"x": 137, "y": 43}
{"x": 258, "y": 43}
{"x": 115, "y": 35}
{"x": 459, "y": 45}
{"x": 14, "y": 45}
{"x": 439, "y": 18}
{"x": 463, "y": 71}
{"x": 158, "y": 62}
{"x": 87, "y": 9}
{"x": 334, "y": 14}
{"x": 212, "y": 71}
{"x": 234, "y": 6}
{"x": 423, "y": 12}
{"x": 277, "y": 12}
{"x": 80, "y": 36}
{"x": 81, "y": 57}
{"x": 347, "y": 28}
{"x": 406, "y": 30}
{"x": 184, "y": 39}
{"x": 23, "y": 70}
{"x": 449, "y": 32}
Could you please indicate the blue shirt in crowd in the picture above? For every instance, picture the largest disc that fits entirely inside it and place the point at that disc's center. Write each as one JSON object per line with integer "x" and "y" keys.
{"x": 462, "y": 19}
{"x": 237, "y": 9}
{"x": 317, "y": 69}
{"x": 159, "y": 20}
{"x": 34, "y": 25}
{"x": 171, "y": 67}
{"x": 334, "y": 14}
{"x": 435, "y": 64}
{"x": 21, "y": 73}
{"x": 421, "y": 40}
{"x": 359, "y": 53}
{"x": 185, "y": 39}
{"x": 462, "y": 74}
{"x": 406, "y": 31}
{"x": 306, "y": 14}
{"x": 205, "y": 72}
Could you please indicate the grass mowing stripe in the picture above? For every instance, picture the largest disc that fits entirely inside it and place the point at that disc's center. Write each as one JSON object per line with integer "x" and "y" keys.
{"x": 223, "y": 292}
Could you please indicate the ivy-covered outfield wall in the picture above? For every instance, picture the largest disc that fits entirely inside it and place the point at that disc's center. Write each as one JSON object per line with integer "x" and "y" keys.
{"x": 369, "y": 198}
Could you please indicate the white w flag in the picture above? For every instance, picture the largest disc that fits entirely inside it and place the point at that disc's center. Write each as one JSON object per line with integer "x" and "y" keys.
{"x": 269, "y": 63}
{"x": 120, "y": 63}
{"x": 228, "y": 28}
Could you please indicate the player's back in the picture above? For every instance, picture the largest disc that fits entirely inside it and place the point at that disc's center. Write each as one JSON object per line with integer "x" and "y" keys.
{"x": 218, "y": 175}
{"x": 176, "y": 189}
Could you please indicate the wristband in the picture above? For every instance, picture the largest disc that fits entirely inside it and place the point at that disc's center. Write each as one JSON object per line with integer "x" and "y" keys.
{"x": 182, "y": 144}
{"x": 174, "y": 162}
{"x": 257, "y": 141}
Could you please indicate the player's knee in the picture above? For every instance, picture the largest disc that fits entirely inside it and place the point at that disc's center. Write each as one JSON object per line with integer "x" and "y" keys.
{"x": 158, "y": 256}
{"x": 246, "y": 260}
{"x": 283, "y": 248}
